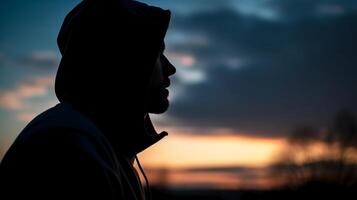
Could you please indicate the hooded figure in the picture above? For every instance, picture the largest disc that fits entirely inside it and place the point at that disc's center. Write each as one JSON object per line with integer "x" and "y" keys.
{"x": 112, "y": 73}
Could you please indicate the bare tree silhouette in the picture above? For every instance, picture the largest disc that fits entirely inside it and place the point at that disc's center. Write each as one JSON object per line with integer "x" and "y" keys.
{"x": 325, "y": 156}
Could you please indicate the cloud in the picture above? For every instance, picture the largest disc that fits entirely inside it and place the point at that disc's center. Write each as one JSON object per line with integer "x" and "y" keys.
{"x": 40, "y": 59}
{"x": 286, "y": 73}
{"x": 305, "y": 9}
{"x": 44, "y": 59}
{"x": 268, "y": 10}
{"x": 330, "y": 9}
{"x": 182, "y": 37}
{"x": 182, "y": 59}
{"x": 256, "y": 8}
{"x": 189, "y": 6}
{"x": 250, "y": 8}
{"x": 29, "y": 97}
{"x": 216, "y": 177}
{"x": 16, "y": 98}
{"x": 25, "y": 117}
{"x": 191, "y": 76}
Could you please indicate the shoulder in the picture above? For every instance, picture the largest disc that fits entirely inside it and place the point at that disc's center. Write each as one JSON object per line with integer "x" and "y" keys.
{"x": 60, "y": 133}
{"x": 61, "y": 127}
{"x": 51, "y": 145}
{"x": 59, "y": 161}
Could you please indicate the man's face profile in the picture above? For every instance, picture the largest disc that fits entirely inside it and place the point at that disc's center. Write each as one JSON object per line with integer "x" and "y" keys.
{"x": 158, "y": 93}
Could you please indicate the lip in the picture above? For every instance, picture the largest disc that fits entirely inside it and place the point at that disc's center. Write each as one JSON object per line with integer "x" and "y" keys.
{"x": 167, "y": 83}
{"x": 166, "y": 92}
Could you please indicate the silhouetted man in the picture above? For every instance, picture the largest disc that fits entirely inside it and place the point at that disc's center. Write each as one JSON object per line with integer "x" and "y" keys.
{"x": 112, "y": 73}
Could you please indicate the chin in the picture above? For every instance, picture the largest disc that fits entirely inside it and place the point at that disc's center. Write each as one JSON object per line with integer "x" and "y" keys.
{"x": 159, "y": 102}
{"x": 159, "y": 106}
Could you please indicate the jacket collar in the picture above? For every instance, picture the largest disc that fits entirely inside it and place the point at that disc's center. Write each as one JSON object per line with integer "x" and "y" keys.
{"x": 125, "y": 139}
{"x": 150, "y": 135}
{"x": 130, "y": 146}
{"x": 130, "y": 140}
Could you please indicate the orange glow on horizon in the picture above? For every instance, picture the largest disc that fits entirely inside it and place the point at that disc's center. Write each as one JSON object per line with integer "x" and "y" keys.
{"x": 180, "y": 150}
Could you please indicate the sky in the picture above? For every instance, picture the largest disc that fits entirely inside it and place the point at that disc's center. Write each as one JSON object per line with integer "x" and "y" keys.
{"x": 248, "y": 73}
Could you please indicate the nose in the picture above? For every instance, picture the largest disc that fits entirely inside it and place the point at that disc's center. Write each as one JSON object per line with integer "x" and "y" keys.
{"x": 170, "y": 68}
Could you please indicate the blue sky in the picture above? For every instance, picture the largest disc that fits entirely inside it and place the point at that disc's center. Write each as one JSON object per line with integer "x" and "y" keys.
{"x": 257, "y": 67}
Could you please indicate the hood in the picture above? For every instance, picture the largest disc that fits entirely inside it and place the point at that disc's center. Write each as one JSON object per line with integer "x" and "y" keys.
{"x": 109, "y": 49}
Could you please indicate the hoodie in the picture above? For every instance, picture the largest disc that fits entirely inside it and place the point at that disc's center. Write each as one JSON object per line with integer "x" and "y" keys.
{"x": 109, "y": 49}
{"x": 83, "y": 147}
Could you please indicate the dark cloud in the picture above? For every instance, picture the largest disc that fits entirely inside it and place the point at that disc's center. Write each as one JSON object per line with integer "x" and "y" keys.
{"x": 189, "y": 6}
{"x": 294, "y": 72}
{"x": 243, "y": 173}
{"x": 305, "y": 9}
